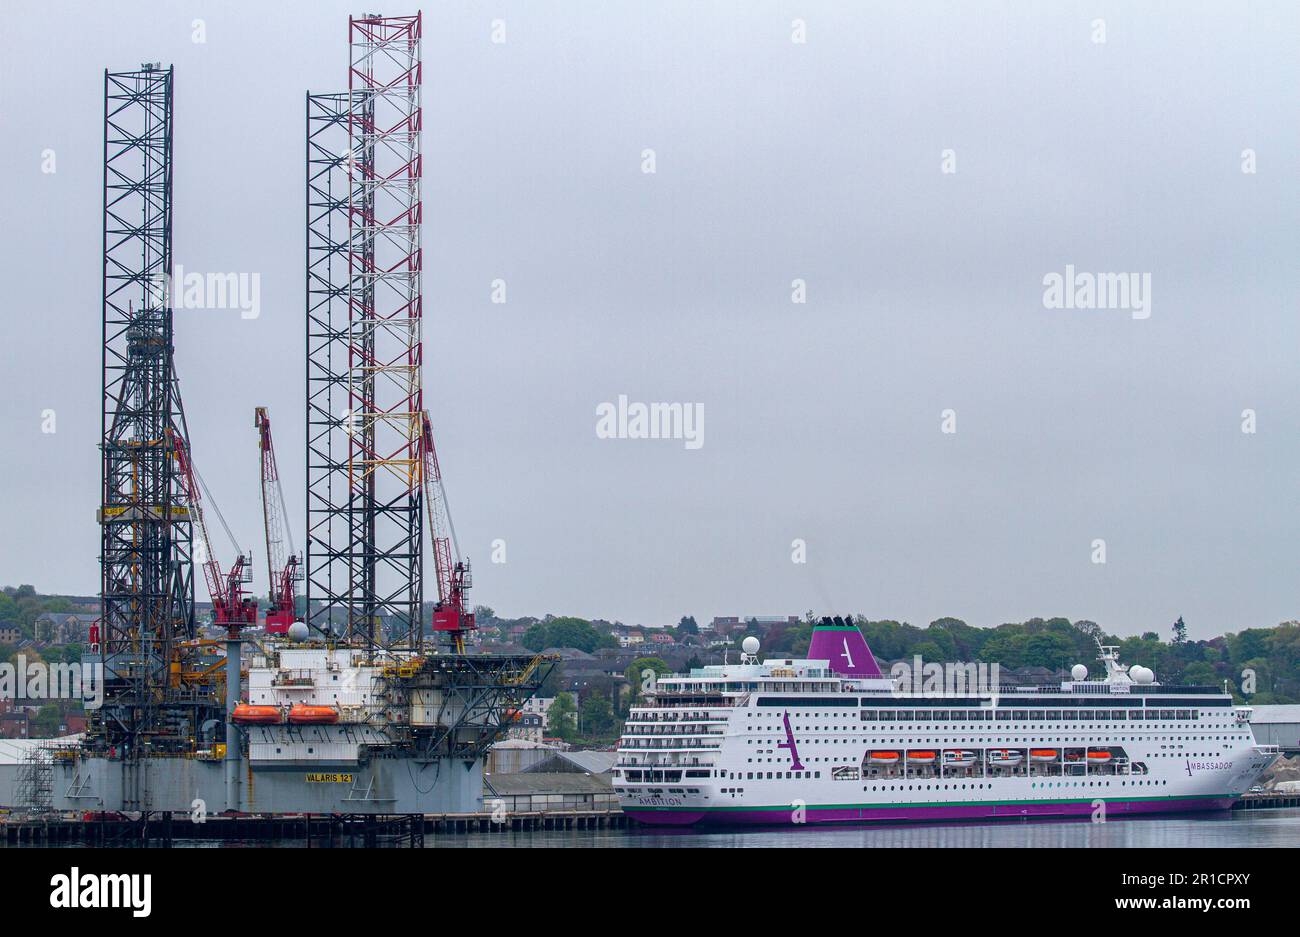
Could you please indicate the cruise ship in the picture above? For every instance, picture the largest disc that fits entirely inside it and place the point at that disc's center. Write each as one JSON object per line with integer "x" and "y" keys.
{"x": 831, "y": 739}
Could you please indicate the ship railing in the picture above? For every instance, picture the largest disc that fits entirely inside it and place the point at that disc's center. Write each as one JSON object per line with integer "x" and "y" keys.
{"x": 298, "y": 678}
{"x": 1094, "y": 686}
{"x": 659, "y": 707}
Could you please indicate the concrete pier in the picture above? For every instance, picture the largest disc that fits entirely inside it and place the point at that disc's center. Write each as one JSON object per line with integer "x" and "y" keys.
{"x": 314, "y": 830}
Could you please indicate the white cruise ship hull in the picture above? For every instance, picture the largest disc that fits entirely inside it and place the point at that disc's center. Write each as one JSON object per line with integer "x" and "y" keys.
{"x": 795, "y": 742}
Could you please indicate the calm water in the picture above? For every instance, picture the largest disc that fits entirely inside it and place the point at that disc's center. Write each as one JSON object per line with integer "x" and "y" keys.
{"x": 1258, "y": 828}
{"x": 1238, "y": 828}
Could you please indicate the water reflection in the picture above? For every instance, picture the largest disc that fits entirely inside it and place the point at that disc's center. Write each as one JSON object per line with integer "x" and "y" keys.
{"x": 1256, "y": 828}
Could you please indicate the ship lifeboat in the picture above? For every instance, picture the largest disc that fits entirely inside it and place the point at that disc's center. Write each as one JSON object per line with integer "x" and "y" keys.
{"x": 1098, "y": 757}
{"x": 1042, "y": 754}
{"x": 921, "y": 758}
{"x": 303, "y": 714}
{"x": 882, "y": 758}
{"x": 958, "y": 759}
{"x": 1004, "y": 758}
{"x": 246, "y": 715}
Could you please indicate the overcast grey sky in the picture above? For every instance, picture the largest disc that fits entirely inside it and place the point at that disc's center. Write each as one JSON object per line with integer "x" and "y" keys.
{"x": 775, "y": 160}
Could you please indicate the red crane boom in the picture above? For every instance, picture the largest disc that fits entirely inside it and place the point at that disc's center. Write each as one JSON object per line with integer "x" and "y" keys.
{"x": 284, "y": 572}
{"x": 451, "y": 613}
{"x": 230, "y": 607}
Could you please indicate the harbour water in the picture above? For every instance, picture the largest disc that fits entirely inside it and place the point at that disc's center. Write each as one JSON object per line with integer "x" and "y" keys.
{"x": 1234, "y": 829}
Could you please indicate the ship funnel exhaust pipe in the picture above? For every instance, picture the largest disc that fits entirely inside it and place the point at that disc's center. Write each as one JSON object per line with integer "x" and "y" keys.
{"x": 839, "y": 641}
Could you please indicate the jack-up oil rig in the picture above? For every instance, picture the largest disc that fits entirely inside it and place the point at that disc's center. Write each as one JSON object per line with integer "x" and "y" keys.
{"x": 350, "y": 708}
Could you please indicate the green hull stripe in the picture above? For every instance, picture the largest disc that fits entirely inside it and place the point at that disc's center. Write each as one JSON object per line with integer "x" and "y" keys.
{"x": 939, "y": 803}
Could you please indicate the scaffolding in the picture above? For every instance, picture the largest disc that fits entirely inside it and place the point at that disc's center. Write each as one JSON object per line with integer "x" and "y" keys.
{"x": 364, "y": 348}
{"x": 34, "y": 783}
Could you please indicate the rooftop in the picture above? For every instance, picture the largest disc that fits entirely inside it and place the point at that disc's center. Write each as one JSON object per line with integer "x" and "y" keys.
{"x": 1275, "y": 713}
{"x": 540, "y": 782}
{"x": 580, "y": 762}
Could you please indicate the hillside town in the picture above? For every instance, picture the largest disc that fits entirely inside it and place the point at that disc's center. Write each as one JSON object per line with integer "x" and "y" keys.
{"x": 600, "y": 666}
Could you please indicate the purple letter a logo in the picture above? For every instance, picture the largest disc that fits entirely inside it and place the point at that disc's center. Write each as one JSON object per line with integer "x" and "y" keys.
{"x": 789, "y": 743}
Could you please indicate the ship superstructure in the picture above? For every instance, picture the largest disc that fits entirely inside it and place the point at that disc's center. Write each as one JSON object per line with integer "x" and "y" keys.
{"x": 326, "y": 729}
{"x": 831, "y": 739}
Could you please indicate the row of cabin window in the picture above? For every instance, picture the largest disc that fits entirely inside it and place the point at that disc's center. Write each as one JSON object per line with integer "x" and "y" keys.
{"x": 1048, "y": 715}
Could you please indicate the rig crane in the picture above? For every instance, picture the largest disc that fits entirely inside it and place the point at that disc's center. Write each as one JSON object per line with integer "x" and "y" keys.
{"x": 231, "y": 608}
{"x": 451, "y": 615}
{"x": 284, "y": 572}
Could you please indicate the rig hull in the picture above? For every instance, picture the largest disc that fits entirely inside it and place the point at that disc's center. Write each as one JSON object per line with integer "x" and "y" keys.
{"x": 381, "y": 786}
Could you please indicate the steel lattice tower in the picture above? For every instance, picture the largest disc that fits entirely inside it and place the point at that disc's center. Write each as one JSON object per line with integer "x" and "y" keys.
{"x": 329, "y": 555}
{"x": 364, "y": 354}
{"x": 147, "y": 580}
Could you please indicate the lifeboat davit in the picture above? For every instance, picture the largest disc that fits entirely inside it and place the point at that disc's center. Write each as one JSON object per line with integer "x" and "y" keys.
{"x": 921, "y": 758}
{"x": 304, "y": 714}
{"x": 1042, "y": 754}
{"x": 883, "y": 758}
{"x": 245, "y": 714}
{"x": 958, "y": 759}
{"x": 1098, "y": 757}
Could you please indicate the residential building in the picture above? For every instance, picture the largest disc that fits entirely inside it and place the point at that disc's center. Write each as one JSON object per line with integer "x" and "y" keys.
{"x": 64, "y": 627}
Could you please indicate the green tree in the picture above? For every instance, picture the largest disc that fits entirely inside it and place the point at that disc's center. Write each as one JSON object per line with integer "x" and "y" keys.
{"x": 799, "y": 638}
{"x": 567, "y": 632}
{"x": 597, "y": 718}
{"x": 562, "y": 717}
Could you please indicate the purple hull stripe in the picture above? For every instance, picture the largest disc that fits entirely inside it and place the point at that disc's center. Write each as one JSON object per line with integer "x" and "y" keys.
{"x": 895, "y": 814}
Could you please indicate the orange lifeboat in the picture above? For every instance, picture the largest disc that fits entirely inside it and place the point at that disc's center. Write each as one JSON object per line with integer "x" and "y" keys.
{"x": 303, "y": 714}
{"x": 1042, "y": 754}
{"x": 247, "y": 715}
{"x": 1098, "y": 757}
{"x": 922, "y": 758}
{"x": 883, "y": 758}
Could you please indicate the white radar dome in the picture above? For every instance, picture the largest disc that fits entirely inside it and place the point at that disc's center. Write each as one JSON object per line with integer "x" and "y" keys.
{"x": 749, "y": 645}
{"x": 298, "y": 631}
{"x": 1142, "y": 674}
{"x": 1079, "y": 672}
